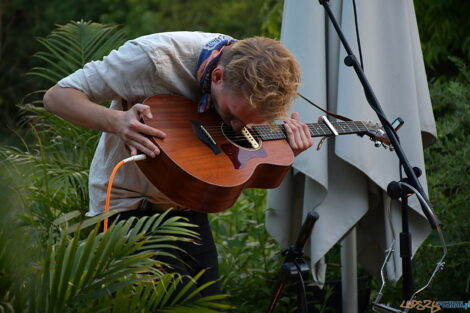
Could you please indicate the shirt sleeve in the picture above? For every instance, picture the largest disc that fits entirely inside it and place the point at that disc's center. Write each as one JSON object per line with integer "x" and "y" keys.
{"x": 125, "y": 73}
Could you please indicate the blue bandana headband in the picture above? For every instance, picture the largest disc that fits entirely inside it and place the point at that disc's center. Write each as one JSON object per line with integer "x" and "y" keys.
{"x": 208, "y": 58}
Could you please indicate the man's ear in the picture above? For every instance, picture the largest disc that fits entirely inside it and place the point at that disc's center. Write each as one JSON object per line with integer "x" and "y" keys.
{"x": 217, "y": 75}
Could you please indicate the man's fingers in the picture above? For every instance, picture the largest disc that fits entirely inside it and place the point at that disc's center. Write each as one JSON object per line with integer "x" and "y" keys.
{"x": 134, "y": 123}
{"x": 304, "y": 134}
{"x": 133, "y": 150}
{"x": 138, "y": 146}
{"x": 147, "y": 130}
{"x": 308, "y": 138}
{"x": 141, "y": 142}
{"x": 298, "y": 134}
{"x": 292, "y": 135}
{"x": 142, "y": 110}
{"x": 134, "y": 133}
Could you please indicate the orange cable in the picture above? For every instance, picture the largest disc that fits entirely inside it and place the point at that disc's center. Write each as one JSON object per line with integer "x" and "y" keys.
{"x": 139, "y": 157}
{"x": 108, "y": 193}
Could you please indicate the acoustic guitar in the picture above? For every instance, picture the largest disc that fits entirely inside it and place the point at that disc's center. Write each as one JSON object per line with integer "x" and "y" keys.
{"x": 204, "y": 165}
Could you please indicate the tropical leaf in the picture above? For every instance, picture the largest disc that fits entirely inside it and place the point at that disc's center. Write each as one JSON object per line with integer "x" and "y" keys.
{"x": 77, "y": 269}
{"x": 71, "y": 46}
{"x": 167, "y": 294}
{"x": 93, "y": 272}
{"x": 58, "y": 156}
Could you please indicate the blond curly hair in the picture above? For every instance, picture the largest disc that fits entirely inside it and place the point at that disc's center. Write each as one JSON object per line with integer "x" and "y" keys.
{"x": 265, "y": 72}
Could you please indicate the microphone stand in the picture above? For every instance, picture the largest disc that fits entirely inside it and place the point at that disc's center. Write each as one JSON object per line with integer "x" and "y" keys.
{"x": 412, "y": 179}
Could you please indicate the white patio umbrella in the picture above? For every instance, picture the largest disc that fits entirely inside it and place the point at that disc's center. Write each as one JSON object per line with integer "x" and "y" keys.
{"x": 345, "y": 181}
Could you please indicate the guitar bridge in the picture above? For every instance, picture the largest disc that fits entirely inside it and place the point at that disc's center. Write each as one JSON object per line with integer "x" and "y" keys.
{"x": 254, "y": 144}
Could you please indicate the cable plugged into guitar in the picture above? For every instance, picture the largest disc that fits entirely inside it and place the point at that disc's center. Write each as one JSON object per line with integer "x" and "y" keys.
{"x": 139, "y": 157}
{"x": 134, "y": 158}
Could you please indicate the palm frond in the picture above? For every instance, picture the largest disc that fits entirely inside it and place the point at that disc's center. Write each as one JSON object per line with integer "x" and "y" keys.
{"x": 71, "y": 46}
{"x": 58, "y": 158}
{"x": 77, "y": 271}
{"x": 166, "y": 294}
{"x": 82, "y": 270}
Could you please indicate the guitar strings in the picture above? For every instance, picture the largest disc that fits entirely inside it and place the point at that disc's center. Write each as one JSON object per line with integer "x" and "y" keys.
{"x": 258, "y": 135}
{"x": 260, "y": 132}
{"x": 278, "y": 128}
{"x": 266, "y": 130}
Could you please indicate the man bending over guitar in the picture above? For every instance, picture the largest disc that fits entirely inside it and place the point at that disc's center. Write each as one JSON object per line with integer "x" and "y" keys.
{"x": 251, "y": 81}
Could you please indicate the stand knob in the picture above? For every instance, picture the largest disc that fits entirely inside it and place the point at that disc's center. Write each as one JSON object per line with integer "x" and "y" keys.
{"x": 417, "y": 171}
{"x": 394, "y": 190}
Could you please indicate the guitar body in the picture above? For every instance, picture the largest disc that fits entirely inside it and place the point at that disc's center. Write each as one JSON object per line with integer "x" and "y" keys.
{"x": 191, "y": 174}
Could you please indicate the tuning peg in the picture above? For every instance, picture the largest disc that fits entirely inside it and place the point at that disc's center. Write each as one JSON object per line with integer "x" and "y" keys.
{"x": 377, "y": 144}
{"x": 398, "y": 123}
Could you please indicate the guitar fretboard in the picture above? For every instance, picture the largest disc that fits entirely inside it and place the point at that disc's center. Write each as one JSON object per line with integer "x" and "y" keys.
{"x": 268, "y": 132}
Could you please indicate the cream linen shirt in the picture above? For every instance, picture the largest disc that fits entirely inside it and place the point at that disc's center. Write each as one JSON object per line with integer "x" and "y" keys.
{"x": 163, "y": 63}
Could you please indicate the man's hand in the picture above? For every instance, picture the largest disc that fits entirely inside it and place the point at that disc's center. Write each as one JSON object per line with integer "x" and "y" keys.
{"x": 132, "y": 131}
{"x": 298, "y": 134}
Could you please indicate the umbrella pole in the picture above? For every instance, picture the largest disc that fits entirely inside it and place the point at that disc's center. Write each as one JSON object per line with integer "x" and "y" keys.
{"x": 349, "y": 289}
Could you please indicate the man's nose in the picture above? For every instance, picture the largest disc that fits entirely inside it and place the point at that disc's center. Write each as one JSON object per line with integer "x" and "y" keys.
{"x": 236, "y": 125}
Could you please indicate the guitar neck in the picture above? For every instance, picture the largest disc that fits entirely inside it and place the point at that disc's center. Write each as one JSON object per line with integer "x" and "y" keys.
{"x": 276, "y": 132}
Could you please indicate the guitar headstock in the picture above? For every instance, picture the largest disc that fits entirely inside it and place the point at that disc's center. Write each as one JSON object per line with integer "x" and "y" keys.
{"x": 376, "y": 133}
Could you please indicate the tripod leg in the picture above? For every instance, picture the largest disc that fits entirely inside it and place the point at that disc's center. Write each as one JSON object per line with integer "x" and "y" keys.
{"x": 405, "y": 252}
{"x": 276, "y": 294}
{"x": 294, "y": 266}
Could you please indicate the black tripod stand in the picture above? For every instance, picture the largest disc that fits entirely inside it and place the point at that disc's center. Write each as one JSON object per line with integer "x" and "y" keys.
{"x": 294, "y": 268}
{"x": 396, "y": 191}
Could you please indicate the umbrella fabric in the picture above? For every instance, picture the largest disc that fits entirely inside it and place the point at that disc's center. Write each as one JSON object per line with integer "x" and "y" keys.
{"x": 345, "y": 181}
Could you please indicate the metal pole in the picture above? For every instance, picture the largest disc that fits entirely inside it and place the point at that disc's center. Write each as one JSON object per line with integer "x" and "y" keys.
{"x": 349, "y": 272}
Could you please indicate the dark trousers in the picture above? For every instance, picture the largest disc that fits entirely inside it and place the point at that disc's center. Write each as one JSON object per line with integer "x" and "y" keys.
{"x": 199, "y": 255}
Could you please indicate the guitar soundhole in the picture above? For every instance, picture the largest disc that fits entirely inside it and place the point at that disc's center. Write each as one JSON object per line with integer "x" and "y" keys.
{"x": 238, "y": 139}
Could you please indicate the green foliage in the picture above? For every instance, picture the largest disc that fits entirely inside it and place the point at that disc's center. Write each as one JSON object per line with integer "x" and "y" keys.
{"x": 233, "y": 17}
{"x": 59, "y": 154}
{"x": 66, "y": 268}
{"x": 104, "y": 270}
{"x": 71, "y": 46}
{"x": 249, "y": 258}
{"x": 12, "y": 258}
{"x": 443, "y": 27}
{"x": 448, "y": 167}
{"x": 448, "y": 175}
{"x": 21, "y": 21}
{"x": 55, "y": 155}
{"x": 272, "y": 12}
{"x": 158, "y": 298}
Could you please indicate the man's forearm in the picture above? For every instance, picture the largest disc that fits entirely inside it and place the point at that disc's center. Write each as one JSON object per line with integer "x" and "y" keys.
{"x": 74, "y": 106}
